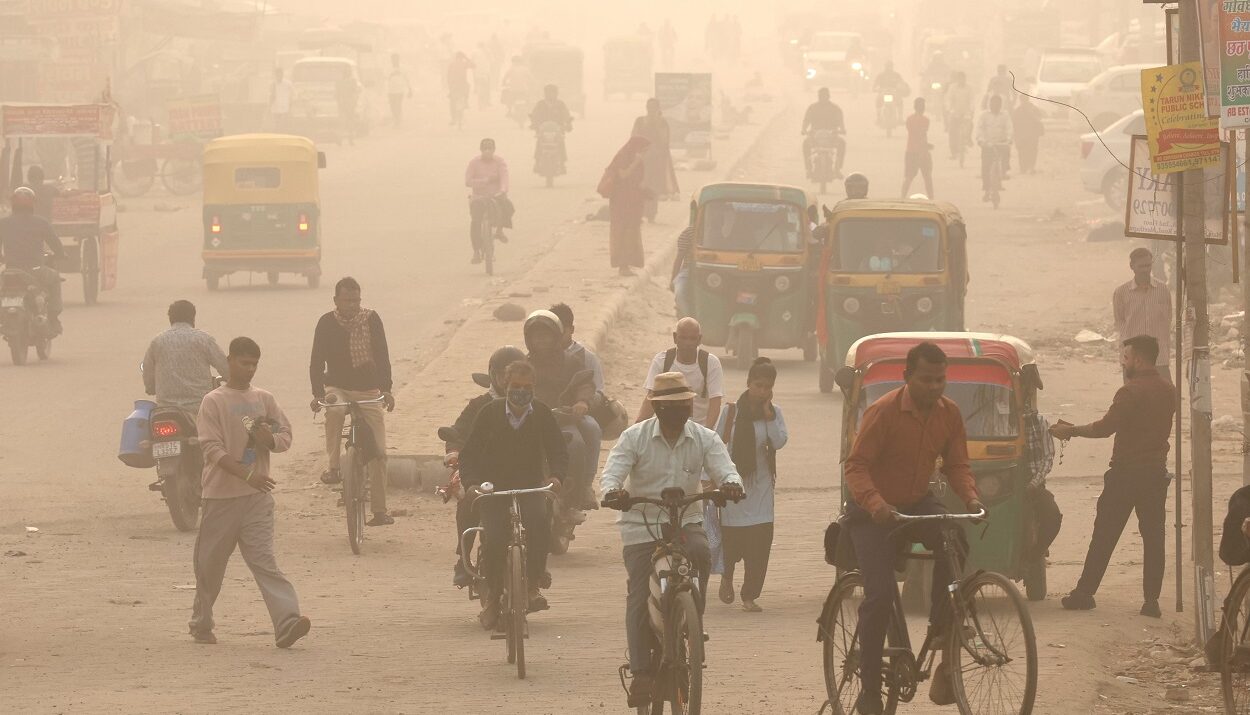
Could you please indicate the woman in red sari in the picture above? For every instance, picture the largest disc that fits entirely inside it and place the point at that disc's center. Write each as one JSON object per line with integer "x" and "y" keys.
{"x": 625, "y": 188}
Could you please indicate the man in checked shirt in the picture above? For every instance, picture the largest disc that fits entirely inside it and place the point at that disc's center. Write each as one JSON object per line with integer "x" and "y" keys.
{"x": 179, "y": 364}
{"x": 1143, "y": 306}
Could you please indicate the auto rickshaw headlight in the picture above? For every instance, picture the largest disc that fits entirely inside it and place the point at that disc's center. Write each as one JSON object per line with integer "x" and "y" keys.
{"x": 851, "y": 305}
{"x": 782, "y": 284}
{"x": 990, "y": 486}
{"x": 714, "y": 281}
{"x": 924, "y": 304}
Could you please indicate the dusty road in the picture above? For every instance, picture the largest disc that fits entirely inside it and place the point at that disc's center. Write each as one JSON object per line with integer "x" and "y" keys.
{"x": 94, "y": 608}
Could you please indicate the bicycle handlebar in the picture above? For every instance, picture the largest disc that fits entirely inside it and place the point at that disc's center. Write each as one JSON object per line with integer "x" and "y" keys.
{"x": 940, "y": 517}
{"x": 486, "y": 489}
{"x": 714, "y": 494}
{"x": 372, "y": 401}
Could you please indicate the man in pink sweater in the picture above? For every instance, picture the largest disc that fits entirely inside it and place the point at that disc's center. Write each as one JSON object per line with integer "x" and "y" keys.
{"x": 239, "y": 427}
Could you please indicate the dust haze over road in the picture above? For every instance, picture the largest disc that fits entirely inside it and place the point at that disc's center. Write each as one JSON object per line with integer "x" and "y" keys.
{"x": 94, "y": 601}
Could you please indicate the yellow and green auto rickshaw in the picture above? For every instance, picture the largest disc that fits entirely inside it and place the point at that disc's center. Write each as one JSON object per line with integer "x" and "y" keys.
{"x": 262, "y": 207}
{"x": 994, "y": 380}
{"x": 753, "y": 269}
{"x": 888, "y": 265}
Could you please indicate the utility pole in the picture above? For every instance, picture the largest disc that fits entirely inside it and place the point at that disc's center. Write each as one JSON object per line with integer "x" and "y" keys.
{"x": 1195, "y": 249}
{"x": 1245, "y": 326}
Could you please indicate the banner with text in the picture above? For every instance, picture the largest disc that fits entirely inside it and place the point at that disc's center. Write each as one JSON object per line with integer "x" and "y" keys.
{"x": 1150, "y": 211}
{"x": 686, "y": 101}
{"x": 1182, "y": 136}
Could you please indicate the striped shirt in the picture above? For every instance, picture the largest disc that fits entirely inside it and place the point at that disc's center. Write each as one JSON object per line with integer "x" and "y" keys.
{"x": 178, "y": 367}
{"x": 1144, "y": 311}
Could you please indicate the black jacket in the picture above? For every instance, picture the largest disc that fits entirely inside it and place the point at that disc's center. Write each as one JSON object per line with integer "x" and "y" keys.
{"x": 331, "y": 361}
{"x": 513, "y": 458}
{"x": 1234, "y": 546}
{"x": 464, "y": 423}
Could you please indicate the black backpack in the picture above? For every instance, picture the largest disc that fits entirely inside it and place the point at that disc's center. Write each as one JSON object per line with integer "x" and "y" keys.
{"x": 670, "y": 357}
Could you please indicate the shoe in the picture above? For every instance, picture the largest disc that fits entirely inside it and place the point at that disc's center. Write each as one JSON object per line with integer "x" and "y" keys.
{"x": 501, "y": 237}
{"x": 538, "y": 602}
{"x": 869, "y": 704}
{"x": 489, "y": 616}
{"x": 727, "y": 588}
{"x": 296, "y": 630}
{"x": 1077, "y": 601}
{"x": 380, "y": 519}
{"x": 331, "y": 476}
{"x": 589, "y": 502}
{"x": 751, "y": 606}
{"x": 1151, "y": 608}
{"x": 626, "y": 272}
{"x": 477, "y": 258}
{"x": 546, "y": 580}
{"x": 54, "y": 323}
{"x": 204, "y": 638}
{"x": 460, "y": 577}
{"x": 640, "y": 690}
{"x": 942, "y": 691}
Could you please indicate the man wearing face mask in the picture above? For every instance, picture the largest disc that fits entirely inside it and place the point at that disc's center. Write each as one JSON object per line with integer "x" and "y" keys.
{"x": 511, "y": 441}
{"x": 667, "y": 450}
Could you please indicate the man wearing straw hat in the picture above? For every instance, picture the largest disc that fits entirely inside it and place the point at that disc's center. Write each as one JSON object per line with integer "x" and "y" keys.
{"x": 667, "y": 450}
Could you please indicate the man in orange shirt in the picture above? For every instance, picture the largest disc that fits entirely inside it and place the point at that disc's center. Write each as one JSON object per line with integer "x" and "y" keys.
{"x": 900, "y": 439}
{"x": 919, "y": 155}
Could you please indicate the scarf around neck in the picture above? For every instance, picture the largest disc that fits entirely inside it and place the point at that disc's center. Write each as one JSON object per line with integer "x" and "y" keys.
{"x": 359, "y": 336}
{"x": 742, "y": 443}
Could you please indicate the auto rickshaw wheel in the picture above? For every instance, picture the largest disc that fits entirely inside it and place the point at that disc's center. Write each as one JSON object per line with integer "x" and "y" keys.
{"x": 746, "y": 350}
{"x": 1035, "y": 579}
{"x": 90, "y": 267}
{"x": 314, "y": 281}
{"x": 273, "y": 278}
{"x": 213, "y": 281}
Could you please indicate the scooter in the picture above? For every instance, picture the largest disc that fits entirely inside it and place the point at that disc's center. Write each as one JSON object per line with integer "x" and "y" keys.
{"x": 821, "y": 160}
{"x": 24, "y": 315}
{"x": 888, "y": 117}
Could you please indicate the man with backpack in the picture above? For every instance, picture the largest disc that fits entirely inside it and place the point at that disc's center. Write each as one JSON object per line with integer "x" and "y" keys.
{"x": 701, "y": 369}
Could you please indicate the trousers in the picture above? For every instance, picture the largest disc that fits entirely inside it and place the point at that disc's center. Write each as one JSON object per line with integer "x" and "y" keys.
{"x": 638, "y": 570}
{"x": 246, "y": 522}
{"x": 375, "y": 417}
{"x": 504, "y": 210}
{"x": 752, "y": 546}
{"x": 1123, "y": 492}
{"x": 497, "y": 520}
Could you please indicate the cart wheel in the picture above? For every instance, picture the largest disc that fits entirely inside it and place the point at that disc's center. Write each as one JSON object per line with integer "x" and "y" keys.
{"x": 213, "y": 281}
{"x": 273, "y": 278}
{"x": 182, "y": 176}
{"x": 90, "y": 274}
{"x": 314, "y": 281}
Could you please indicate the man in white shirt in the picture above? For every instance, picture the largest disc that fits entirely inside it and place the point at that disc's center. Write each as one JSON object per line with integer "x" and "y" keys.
{"x": 398, "y": 88}
{"x": 994, "y": 136}
{"x": 701, "y": 369}
{"x": 280, "y": 100}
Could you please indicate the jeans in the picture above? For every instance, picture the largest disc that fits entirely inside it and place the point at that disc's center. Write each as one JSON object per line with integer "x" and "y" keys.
{"x": 374, "y": 416}
{"x": 751, "y": 545}
{"x": 638, "y": 571}
{"x": 503, "y": 209}
{"x": 497, "y": 520}
{"x": 876, "y": 556}
{"x": 1123, "y": 492}
{"x": 681, "y": 293}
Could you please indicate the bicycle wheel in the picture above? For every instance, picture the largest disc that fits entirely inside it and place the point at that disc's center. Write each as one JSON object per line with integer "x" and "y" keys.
{"x": 486, "y": 238}
{"x": 518, "y": 603}
{"x": 353, "y": 498}
{"x": 1235, "y": 680}
{"x": 839, "y": 634}
{"x": 686, "y": 670}
{"x": 992, "y": 656}
{"x": 182, "y": 176}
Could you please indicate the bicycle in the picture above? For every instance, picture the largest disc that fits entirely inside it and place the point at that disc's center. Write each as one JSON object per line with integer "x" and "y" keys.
{"x": 676, "y": 636}
{"x": 484, "y": 228}
{"x": 514, "y": 592}
{"x": 975, "y": 650}
{"x": 1235, "y": 669}
{"x": 995, "y": 179}
{"x": 358, "y": 450}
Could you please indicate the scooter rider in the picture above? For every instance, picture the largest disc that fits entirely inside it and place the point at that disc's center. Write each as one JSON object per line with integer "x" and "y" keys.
{"x": 555, "y": 386}
{"x": 824, "y": 115}
{"x": 487, "y": 178}
{"x": 178, "y": 366}
{"x": 551, "y": 109}
{"x": 23, "y": 239}
{"x": 889, "y": 82}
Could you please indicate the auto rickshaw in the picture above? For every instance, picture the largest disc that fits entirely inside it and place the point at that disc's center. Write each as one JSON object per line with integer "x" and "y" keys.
{"x": 72, "y": 144}
{"x": 888, "y": 265}
{"x": 994, "y": 380}
{"x": 627, "y": 67}
{"x": 561, "y": 65}
{"x": 262, "y": 207}
{"x": 753, "y": 269}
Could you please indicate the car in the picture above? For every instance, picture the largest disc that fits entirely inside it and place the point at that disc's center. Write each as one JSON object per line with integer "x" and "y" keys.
{"x": 1059, "y": 72}
{"x": 1102, "y": 169}
{"x": 825, "y": 59}
{"x": 1109, "y": 96}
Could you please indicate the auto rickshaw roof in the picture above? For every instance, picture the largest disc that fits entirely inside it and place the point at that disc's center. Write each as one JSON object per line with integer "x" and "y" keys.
{"x": 254, "y": 148}
{"x": 947, "y": 209}
{"x": 742, "y": 191}
{"x": 1007, "y": 349}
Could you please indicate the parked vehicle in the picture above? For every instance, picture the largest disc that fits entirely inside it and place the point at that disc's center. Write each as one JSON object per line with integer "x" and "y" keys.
{"x": 1109, "y": 96}
{"x": 1060, "y": 72}
{"x": 1101, "y": 173}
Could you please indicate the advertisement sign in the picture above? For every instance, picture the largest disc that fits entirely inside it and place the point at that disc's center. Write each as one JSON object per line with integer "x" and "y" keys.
{"x": 1182, "y": 136}
{"x": 195, "y": 117}
{"x": 1209, "y": 43}
{"x": 686, "y": 101}
{"x": 94, "y": 120}
{"x": 1234, "y": 27}
{"x": 1150, "y": 211}
{"x": 40, "y": 9}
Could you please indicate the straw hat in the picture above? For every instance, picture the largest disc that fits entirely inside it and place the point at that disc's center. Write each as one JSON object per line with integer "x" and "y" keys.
{"x": 671, "y": 386}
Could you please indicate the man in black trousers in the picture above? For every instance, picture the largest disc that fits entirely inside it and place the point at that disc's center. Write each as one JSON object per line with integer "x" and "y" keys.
{"x": 1141, "y": 420}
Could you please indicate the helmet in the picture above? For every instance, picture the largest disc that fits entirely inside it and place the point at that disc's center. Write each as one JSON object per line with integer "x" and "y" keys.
{"x": 856, "y": 186}
{"x": 23, "y": 198}
{"x": 500, "y": 360}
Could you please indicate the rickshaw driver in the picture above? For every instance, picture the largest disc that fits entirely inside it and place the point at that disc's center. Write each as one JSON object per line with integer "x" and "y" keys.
{"x": 23, "y": 239}
{"x": 898, "y": 444}
{"x": 487, "y": 177}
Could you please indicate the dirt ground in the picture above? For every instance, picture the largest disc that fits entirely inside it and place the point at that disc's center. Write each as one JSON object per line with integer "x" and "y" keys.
{"x": 94, "y": 603}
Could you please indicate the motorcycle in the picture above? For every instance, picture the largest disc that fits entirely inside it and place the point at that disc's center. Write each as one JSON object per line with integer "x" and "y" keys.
{"x": 175, "y": 446}
{"x": 889, "y": 115}
{"x": 549, "y": 153}
{"x": 822, "y": 158}
{"x": 24, "y": 315}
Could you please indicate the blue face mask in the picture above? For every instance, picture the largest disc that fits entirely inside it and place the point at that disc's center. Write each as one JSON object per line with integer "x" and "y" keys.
{"x": 521, "y": 397}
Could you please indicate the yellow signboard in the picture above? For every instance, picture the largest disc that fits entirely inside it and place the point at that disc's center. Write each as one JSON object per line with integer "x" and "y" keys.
{"x": 1181, "y": 135}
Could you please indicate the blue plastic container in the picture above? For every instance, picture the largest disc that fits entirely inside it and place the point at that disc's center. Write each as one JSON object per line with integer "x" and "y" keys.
{"x": 135, "y": 431}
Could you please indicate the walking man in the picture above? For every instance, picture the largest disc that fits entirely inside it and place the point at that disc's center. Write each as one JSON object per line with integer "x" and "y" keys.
{"x": 351, "y": 362}
{"x": 239, "y": 426}
{"x": 398, "y": 89}
{"x": 1141, "y": 420}
{"x": 1143, "y": 306}
{"x": 702, "y": 371}
{"x": 919, "y": 155}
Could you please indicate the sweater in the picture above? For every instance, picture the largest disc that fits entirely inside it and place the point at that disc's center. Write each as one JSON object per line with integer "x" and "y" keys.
{"x": 222, "y": 433}
{"x": 331, "y": 362}
{"x": 513, "y": 458}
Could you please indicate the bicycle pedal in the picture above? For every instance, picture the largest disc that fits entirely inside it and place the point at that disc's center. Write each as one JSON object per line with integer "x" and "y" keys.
{"x": 498, "y": 636}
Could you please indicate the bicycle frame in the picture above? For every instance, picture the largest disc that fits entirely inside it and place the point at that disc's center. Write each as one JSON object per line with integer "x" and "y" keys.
{"x": 517, "y": 538}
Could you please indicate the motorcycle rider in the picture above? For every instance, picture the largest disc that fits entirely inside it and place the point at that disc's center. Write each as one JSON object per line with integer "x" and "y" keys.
{"x": 487, "y": 177}
{"x": 856, "y": 186}
{"x": 889, "y": 82}
{"x": 515, "y": 89}
{"x": 563, "y": 382}
{"x": 994, "y": 137}
{"x": 178, "y": 366}
{"x": 824, "y": 115}
{"x": 551, "y": 109}
{"x": 1000, "y": 85}
{"x": 463, "y": 427}
{"x": 24, "y": 237}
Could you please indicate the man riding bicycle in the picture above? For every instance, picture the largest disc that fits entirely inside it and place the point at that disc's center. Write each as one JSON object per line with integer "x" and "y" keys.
{"x": 901, "y": 438}
{"x": 667, "y": 450}
{"x": 824, "y": 115}
{"x": 994, "y": 138}
{"x": 487, "y": 177}
{"x": 511, "y": 441}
